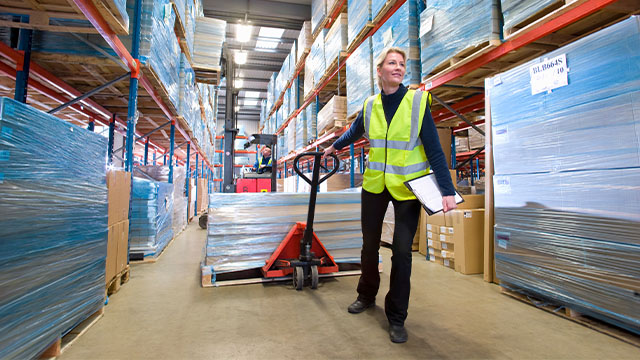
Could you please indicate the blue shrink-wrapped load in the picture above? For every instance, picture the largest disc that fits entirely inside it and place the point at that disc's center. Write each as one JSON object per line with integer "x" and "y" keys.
{"x": 336, "y": 39}
{"x": 312, "y": 120}
{"x": 301, "y": 130}
{"x": 151, "y": 217}
{"x": 401, "y": 30}
{"x": 53, "y": 228}
{"x": 567, "y": 211}
{"x": 449, "y": 27}
{"x": 293, "y": 97}
{"x": 190, "y": 25}
{"x": 318, "y": 13}
{"x": 233, "y": 244}
{"x": 181, "y": 6}
{"x": 207, "y": 44}
{"x": 516, "y": 11}
{"x": 316, "y": 60}
{"x": 291, "y": 135}
{"x": 376, "y": 6}
{"x": 285, "y": 104}
{"x": 359, "y": 12}
{"x": 304, "y": 40}
{"x": 359, "y": 77}
{"x": 186, "y": 88}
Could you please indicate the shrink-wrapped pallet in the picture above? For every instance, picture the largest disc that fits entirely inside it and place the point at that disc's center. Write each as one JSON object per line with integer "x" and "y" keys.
{"x": 208, "y": 39}
{"x": 291, "y": 136}
{"x": 318, "y": 13}
{"x": 317, "y": 60}
{"x": 311, "y": 117}
{"x": 334, "y": 110}
{"x": 301, "y": 130}
{"x": 335, "y": 40}
{"x": 515, "y": 12}
{"x": 359, "y": 77}
{"x": 304, "y": 40}
{"x": 359, "y": 12}
{"x": 151, "y": 218}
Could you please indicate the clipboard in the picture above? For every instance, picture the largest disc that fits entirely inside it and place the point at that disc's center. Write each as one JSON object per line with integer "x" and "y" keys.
{"x": 427, "y": 191}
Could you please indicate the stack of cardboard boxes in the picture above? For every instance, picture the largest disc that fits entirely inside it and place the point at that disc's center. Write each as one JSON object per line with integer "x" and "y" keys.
{"x": 119, "y": 190}
{"x": 456, "y": 239}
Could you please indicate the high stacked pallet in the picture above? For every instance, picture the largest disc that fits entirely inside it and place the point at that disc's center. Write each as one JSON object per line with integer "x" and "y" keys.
{"x": 333, "y": 114}
{"x": 318, "y": 14}
{"x": 208, "y": 39}
{"x": 519, "y": 12}
{"x": 359, "y": 12}
{"x": 312, "y": 121}
{"x": 301, "y": 130}
{"x": 567, "y": 207}
{"x": 336, "y": 40}
{"x": 53, "y": 202}
{"x": 304, "y": 40}
{"x": 151, "y": 218}
{"x": 360, "y": 79}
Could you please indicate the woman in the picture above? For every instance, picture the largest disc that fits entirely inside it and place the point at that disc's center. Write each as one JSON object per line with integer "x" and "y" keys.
{"x": 404, "y": 144}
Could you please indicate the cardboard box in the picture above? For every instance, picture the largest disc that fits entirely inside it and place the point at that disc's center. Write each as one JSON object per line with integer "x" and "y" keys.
{"x": 472, "y": 202}
{"x": 117, "y": 249}
{"x": 122, "y": 239}
{"x": 447, "y": 254}
{"x": 421, "y": 233}
{"x": 435, "y": 244}
{"x": 445, "y": 238}
{"x": 468, "y": 239}
{"x": 118, "y": 193}
{"x": 112, "y": 251}
{"x": 447, "y": 246}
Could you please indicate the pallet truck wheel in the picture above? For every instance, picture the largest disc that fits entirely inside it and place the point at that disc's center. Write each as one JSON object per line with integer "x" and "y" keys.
{"x": 298, "y": 277}
{"x": 314, "y": 277}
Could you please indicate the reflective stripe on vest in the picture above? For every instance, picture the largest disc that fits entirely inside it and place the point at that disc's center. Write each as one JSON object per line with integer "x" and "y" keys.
{"x": 396, "y": 153}
{"x": 260, "y": 162}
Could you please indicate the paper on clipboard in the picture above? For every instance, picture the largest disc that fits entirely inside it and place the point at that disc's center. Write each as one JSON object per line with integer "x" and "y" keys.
{"x": 427, "y": 191}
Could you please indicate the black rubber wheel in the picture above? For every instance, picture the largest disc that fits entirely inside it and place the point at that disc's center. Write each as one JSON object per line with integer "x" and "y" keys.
{"x": 314, "y": 277}
{"x": 202, "y": 221}
{"x": 298, "y": 277}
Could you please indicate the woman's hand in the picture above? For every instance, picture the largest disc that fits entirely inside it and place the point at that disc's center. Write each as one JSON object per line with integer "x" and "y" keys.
{"x": 448, "y": 203}
{"x": 328, "y": 151}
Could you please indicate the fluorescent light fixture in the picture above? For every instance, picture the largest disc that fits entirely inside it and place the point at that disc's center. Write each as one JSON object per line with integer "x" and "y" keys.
{"x": 240, "y": 57}
{"x": 250, "y": 102}
{"x": 270, "y": 32}
{"x": 237, "y": 108}
{"x": 238, "y": 83}
{"x": 252, "y": 94}
{"x": 267, "y": 44}
{"x": 243, "y": 32}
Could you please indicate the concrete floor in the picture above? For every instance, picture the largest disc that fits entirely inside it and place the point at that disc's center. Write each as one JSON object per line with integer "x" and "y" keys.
{"x": 164, "y": 313}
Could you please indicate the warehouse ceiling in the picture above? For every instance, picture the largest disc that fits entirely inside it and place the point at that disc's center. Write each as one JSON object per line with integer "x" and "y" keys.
{"x": 266, "y": 48}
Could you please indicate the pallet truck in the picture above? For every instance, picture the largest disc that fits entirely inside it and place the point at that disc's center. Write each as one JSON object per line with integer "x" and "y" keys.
{"x": 301, "y": 253}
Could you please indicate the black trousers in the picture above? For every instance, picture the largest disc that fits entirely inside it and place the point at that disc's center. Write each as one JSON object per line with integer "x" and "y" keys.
{"x": 407, "y": 213}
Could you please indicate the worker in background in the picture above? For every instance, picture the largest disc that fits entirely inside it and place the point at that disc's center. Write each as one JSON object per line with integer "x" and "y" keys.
{"x": 404, "y": 145}
{"x": 264, "y": 161}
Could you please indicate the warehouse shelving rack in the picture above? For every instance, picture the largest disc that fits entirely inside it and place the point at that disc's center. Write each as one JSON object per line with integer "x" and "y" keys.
{"x": 70, "y": 80}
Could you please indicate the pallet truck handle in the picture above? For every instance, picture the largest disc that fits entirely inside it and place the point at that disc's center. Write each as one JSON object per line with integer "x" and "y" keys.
{"x": 317, "y": 156}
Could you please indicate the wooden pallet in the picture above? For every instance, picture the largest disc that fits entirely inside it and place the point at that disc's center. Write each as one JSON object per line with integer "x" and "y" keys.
{"x": 575, "y": 316}
{"x": 119, "y": 280}
{"x": 337, "y": 125}
{"x": 360, "y": 36}
{"x": 65, "y": 342}
{"x": 207, "y": 74}
{"x": 383, "y": 11}
{"x": 508, "y": 32}
{"x": 149, "y": 259}
{"x": 185, "y": 49}
{"x": 150, "y": 73}
{"x": 255, "y": 277}
{"x": 178, "y": 26}
{"x": 462, "y": 57}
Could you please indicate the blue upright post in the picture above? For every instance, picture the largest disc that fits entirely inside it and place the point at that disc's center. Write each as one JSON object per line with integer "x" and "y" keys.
{"x": 164, "y": 160}
{"x": 472, "y": 174}
{"x": 154, "y": 157}
{"x": 146, "y": 152}
{"x": 352, "y": 174}
{"x": 362, "y": 160}
{"x": 195, "y": 207}
{"x": 22, "y": 75}
{"x": 453, "y": 151}
{"x": 112, "y": 132}
{"x": 133, "y": 86}
{"x": 172, "y": 138}
{"x": 188, "y": 176}
{"x": 92, "y": 125}
{"x": 478, "y": 168}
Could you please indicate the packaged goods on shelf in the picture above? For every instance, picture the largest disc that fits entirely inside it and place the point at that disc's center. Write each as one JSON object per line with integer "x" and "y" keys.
{"x": 359, "y": 12}
{"x": 301, "y": 130}
{"x": 294, "y": 57}
{"x": 336, "y": 39}
{"x": 316, "y": 59}
{"x": 401, "y": 30}
{"x": 208, "y": 39}
{"x": 119, "y": 9}
{"x": 293, "y": 97}
{"x": 450, "y": 27}
{"x": 186, "y": 88}
{"x": 311, "y": 117}
{"x": 282, "y": 144}
{"x": 376, "y": 6}
{"x": 334, "y": 110}
{"x": 462, "y": 144}
{"x": 573, "y": 209}
{"x": 263, "y": 112}
{"x": 277, "y": 90}
{"x": 181, "y": 6}
{"x": 285, "y": 104}
{"x": 279, "y": 119}
{"x": 304, "y": 39}
{"x": 308, "y": 77}
{"x": 476, "y": 140}
{"x": 291, "y": 135}
{"x": 271, "y": 89}
{"x": 151, "y": 217}
{"x": 515, "y": 12}
{"x": 286, "y": 71}
{"x": 359, "y": 77}
{"x": 233, "y": 244}
{"x": 190, "y": 25}
{"x": 53, "y": 227}
{"x": 318, "y": 13}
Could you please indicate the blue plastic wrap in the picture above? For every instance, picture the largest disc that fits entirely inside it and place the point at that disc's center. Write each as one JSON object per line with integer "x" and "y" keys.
{"x": 336, "y": 39}
{"x": 286, "y": 102}
{"x": 53, "y": 228}
{"x": 567, "y": 222}
{"x": 316, "y": 59}
{"x": 207, "y": 44}
{"x": 517, "y": 11}
{"x": 401, "y": 30}
{"x": 318, "y": 13}
{"x": 121, "y": 9}
{"x": 234, "y": 245}
{"x": 181, "y": 5}
{"x": 359, "y": 12}
{"x": 359, "y": 77}
{"x": 301, "y": 130}
{"x": 151, "y": 224}
{"x": 376, "y": 6}
{"x": 449, "y": 27}
{"x": 291, "y": 135}
{"x": 186, "y": 88}
{"x": 293, "y": 97}
{"x": 190, "y": 25}
{"x": 312, "y": 120}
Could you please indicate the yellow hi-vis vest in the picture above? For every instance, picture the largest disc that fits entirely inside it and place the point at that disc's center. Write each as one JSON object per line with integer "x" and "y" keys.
{"x": 260, "y": 166}
{"x": 396, "y": 153}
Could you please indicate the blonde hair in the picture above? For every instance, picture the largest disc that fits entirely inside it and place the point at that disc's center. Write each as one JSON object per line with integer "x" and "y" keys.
{"x": 383, "y": 56}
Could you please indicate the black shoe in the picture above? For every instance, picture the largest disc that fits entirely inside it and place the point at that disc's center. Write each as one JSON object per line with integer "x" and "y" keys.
{"x": 398, "y": 333}
{"x": 359, "y": 306}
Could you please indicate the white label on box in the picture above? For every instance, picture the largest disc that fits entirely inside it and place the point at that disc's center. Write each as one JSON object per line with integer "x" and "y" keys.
{"x": 502, "y": 244}
{"x": 549, "y": 74}
{"x": 450, "y": 231}
{"x": 497, "y": 80}
{"x": 468, "y": 214}
{"x": 502, "y": 184}
{"x": 431, "y": 258}
{"x": 432, "y": 251}
{"x": 426, "y": 24}
{"x": 445, "y": 254}
{"x": 429, "y": 234}
{"x": 429, "y": 242}
{"x": 387, "y": 37}
{"x": 443, "y": 229}
{"x": 429, "y": 227}
{"x": 443, "y": 238}
{"x": 500, "y": 135}
{"x": 444, "y": 246}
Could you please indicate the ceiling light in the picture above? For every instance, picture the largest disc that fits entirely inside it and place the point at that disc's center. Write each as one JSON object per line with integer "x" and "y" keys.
{"x": 243, "y": 32}
{"x": 238, "y": 83}
{"x": 240, "y": 57}
{"x": 250, "y": 102}
{"x": 237, "y": 108}
{"x": 267, "y": 44}
{"x": 270, "y": 32}
{"x": 252, "y": 94}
